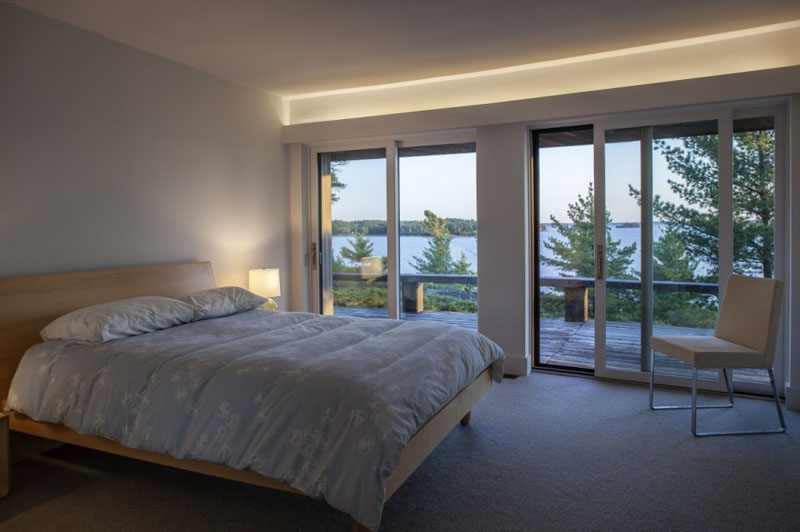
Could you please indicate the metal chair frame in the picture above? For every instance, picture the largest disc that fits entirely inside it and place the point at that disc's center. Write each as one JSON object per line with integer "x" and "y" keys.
{"x": 694, "y": 406}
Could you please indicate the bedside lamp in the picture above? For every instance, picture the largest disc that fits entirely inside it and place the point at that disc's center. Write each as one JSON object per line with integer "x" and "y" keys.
{"x": 266, "y": 282}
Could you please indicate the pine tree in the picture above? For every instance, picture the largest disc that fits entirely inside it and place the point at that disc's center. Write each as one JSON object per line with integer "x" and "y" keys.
{"x": 754, "y": 202}
{"x": 696, "y": 219}
{"x": 671, "y": 262}
{"x": 336, "y": 183}
{"x": 461, "y": 266}
{"x": 358, "y": 247}
{"x": 436, "y": 257}
{"x": 575, "y": 254}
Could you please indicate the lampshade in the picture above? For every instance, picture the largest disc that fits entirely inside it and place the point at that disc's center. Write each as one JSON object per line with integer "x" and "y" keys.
{"x": 265, "y": 282}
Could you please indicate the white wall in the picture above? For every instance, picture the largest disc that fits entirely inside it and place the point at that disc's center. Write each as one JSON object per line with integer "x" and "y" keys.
{"x": 110, "y": 156}
{"x": 503, "y": 246}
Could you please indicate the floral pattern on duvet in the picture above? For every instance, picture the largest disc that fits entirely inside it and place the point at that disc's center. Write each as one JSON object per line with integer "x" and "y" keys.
{"x": 324, "y": 403}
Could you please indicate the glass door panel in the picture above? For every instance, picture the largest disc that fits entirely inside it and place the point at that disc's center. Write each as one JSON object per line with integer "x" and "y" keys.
{"x": 564, "y": 262}
{"x": 754, "y": 207}
{"x": 353, "y": 233}
{"x": 438, "y": 234}
{"x": 661, "y": 248}
{"x": 623, "y": 249}
{"x": 685, "y": 229}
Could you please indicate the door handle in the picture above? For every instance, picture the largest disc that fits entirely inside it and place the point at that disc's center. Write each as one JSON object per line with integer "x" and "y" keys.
{"x": 313, "y": 254}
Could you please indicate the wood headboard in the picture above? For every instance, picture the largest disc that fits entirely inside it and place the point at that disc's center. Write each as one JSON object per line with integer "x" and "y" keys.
{"x": 29, "y": 303}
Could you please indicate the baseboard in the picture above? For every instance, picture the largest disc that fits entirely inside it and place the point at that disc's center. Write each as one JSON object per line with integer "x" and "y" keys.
{"x": 519, "y": 365}
{"x": 793, "y": 397}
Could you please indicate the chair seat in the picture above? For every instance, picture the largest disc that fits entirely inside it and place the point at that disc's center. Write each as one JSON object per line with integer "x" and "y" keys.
{"x": 708, "y": 352}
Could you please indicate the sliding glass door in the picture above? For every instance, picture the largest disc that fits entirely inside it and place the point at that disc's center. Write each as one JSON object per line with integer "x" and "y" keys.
{"x": 637, "y": 222}
{"x": 438, "y": 234}
{"x": 661, "y": 249}
{"x": 395, "y": 232}
{"x": 564, "y": 260}
{"x": 353, "y": 233}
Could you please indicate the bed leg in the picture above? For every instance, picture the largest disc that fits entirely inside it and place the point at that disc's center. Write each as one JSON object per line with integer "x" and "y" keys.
{"x": 465, "y": 419}
{"x": 5, "y": 457}
{"x": 358, "y": 527}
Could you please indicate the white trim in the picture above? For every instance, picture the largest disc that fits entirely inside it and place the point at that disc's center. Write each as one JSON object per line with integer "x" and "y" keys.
{"x": 793, "y": 276}
{"x": 519, "y": 365}
{"x": 724, "y": 199}
{"x": 599, "y": 146}
{"x": 782, "y": 215}
{"x": 793, "y": 398}
{"x": 392, "y": 231}
{"x": 298, "y": 229}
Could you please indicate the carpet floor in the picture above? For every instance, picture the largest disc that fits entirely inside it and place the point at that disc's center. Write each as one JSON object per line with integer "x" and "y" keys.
{"x": 543, "y": 453}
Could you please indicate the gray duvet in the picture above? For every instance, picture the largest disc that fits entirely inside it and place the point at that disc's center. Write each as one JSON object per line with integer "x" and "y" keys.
{"x": 323, "y": 403}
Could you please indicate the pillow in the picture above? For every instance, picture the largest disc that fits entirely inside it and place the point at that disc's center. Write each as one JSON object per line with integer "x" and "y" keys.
{"x": 117, "y": 319}
{"x": 224, "y": 301}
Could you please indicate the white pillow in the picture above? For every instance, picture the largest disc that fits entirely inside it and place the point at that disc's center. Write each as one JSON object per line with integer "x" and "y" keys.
{"x": 117, "y": 319}
{"x": 224, "y": 301}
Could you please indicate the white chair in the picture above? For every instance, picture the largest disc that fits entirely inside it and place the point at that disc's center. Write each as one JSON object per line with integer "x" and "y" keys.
{"x": 745, "y": 337}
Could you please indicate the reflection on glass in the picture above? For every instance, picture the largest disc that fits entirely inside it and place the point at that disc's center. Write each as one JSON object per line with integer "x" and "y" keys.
{"x": 623, "y": 250}
{"x": 754, "y": 207}
{"x": 685, "y": 234}
{"x": 565, "y": 234}
{"x": 356, "y": 200}
{"x": 438, "y": 234}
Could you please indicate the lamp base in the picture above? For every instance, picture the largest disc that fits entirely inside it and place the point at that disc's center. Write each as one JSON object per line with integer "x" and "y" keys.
{"x": 269, "y": 305}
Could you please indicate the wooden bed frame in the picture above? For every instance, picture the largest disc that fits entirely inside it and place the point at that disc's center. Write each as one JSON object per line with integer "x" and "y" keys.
{"x": 27, "y": 304}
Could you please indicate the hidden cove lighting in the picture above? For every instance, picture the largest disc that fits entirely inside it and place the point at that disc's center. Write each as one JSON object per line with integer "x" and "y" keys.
{"x": 751, "y": 49}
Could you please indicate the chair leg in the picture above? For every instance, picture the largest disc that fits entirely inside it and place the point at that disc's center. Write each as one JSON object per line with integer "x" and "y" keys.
{"x": 744, "y": 432}
{"x": 777, "y": 400}
{"x": 694, "y": 401}
{"x": 683, "y": 407}
{"x": 728, "y": 384}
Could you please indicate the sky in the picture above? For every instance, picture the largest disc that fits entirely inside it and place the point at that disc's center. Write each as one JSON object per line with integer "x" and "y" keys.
{"x": 445, "y": 184}
{"x": 566, "y": 172}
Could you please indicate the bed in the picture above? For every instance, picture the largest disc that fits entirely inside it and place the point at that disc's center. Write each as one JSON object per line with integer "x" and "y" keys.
{"x": 29, "y": 303}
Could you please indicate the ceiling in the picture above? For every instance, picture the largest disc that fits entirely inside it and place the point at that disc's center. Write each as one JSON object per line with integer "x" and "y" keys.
{"x": 291, "y": 47}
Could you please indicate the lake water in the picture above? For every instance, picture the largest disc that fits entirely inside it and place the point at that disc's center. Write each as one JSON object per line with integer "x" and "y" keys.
{"x": 411, "y": 246}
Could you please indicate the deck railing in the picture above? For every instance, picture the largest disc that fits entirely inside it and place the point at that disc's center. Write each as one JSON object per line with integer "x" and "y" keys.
{"x": 576, "y": 289}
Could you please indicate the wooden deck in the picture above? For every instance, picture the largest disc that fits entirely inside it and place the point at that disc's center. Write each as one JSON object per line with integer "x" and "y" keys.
{"x": 571, "y": 344}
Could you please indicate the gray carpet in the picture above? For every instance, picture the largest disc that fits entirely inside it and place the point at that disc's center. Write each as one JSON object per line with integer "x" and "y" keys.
{"x": 543, "y": 453}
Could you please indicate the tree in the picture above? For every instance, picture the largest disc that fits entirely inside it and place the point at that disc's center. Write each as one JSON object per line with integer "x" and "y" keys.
{"x": 694, "y": 162}
{"x": 461, "y": 266}
{"x": 754, "y": 202}
{"x": 670, "y": 260}
{"x": 358, "y": 247}
{"x": 336, "y": 183}
{"x": 575, "y": 253}
{"x": 436, "y": 257}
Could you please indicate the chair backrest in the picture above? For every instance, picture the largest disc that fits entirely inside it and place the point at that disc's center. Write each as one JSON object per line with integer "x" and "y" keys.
{"x": 750, "y": 314}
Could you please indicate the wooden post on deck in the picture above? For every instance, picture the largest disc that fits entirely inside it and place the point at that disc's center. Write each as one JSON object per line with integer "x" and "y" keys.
{"x": 413, "y": 297}
{"x": 576, "y": 304}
